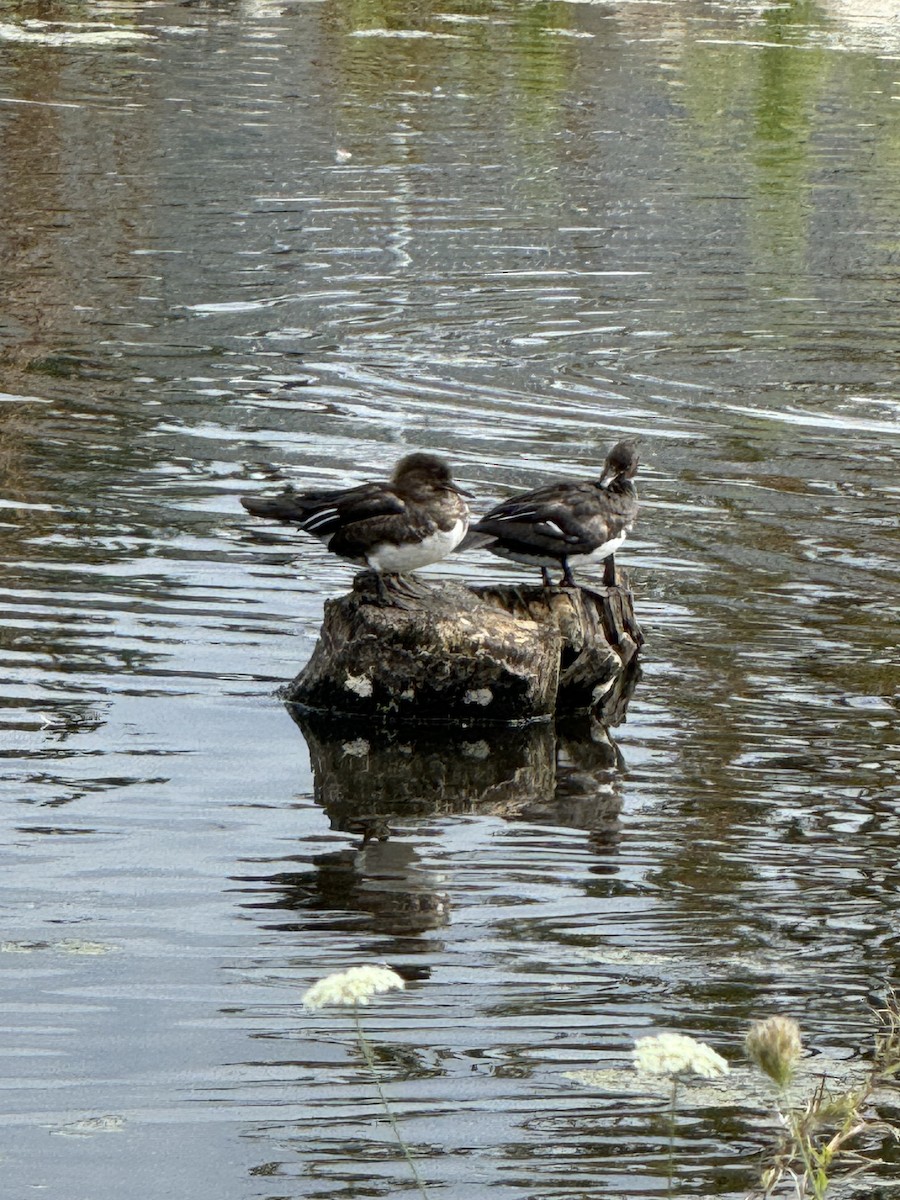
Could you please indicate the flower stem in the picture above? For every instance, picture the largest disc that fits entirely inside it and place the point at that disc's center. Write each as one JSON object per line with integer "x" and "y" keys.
{"x": 373, "y": 1070}
{"x": 672, "y": 1135}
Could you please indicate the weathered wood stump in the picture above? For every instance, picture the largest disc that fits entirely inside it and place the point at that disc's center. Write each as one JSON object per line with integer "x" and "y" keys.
{"x": 450, "y": 653}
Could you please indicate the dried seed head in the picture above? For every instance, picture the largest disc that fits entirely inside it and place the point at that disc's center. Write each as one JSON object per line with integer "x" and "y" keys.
{"x": 775, "y": 1046}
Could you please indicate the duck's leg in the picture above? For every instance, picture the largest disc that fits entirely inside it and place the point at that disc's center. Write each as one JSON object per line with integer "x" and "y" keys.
{"x": 381, "y": 587}
{"x": 545, "y": 578}
{"x": 609, "y": 571}
{"x": 568, "y": 578}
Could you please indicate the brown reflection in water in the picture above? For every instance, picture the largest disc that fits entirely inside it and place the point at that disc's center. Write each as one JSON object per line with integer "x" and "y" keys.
{"x": 66, "y": 244}
{"x": 19, "y": 425}
{"x": 369, "y": 779}
{"x": 383, "y": 879}
{"x": 365, "y": 777}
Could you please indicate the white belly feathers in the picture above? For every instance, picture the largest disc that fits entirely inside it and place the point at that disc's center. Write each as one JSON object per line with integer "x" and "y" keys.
{"x": 391, "y": 559}
{"x": 598, "y": 555}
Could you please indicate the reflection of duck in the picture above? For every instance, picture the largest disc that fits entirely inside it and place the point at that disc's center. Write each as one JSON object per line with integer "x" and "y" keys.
{"x": 414, "y": 519}
{"x": 384, "y": 879}
{"x": 567, "y": 524}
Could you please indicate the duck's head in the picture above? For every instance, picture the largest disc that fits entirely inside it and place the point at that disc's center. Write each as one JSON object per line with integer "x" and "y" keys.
{"x": 621, "y": 463}
{"x": 419, "y": 473}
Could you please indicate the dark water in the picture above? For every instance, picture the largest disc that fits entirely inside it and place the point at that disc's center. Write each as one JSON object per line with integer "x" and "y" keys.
{"x": 291, "y": 241}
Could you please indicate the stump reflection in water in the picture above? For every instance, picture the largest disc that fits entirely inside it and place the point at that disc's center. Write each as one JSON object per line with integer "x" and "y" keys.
{"x": 371, "y": 778}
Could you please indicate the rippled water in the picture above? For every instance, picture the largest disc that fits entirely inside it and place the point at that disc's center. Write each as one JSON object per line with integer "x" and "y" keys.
{"x": 273, "y": 242}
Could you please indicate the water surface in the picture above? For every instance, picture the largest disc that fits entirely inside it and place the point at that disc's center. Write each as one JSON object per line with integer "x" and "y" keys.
{"x": 276, "y": 242}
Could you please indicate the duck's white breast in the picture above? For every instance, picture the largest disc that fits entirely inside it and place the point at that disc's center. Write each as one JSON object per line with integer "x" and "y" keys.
{"x": 390, "y": 559}
{"x": 598, "y": 555}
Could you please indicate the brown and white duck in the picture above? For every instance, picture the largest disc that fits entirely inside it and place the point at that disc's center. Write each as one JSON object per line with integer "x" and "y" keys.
{"x": 416, "y": 518}
{"x": 567, "y": 524}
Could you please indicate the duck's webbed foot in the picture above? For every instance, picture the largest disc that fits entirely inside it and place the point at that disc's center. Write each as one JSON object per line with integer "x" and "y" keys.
{"x": 394, "y": 591}
{"x": 411, "y": 585}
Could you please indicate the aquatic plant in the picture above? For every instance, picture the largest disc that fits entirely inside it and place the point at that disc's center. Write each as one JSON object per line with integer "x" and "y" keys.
{"x": 824, "y": 1134}
{"x": 350, "y": 989}
{"x": 676, "y": 1055}
{"x": 354, "y": 986}
{"x": 820, "y": 1138}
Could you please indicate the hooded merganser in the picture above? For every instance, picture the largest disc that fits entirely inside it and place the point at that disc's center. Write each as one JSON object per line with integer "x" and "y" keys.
{"x": 567, "y": 524}
{"x": 414, "y": 519}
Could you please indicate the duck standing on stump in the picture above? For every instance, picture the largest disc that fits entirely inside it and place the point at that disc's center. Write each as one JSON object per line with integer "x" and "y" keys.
{"x": 570, "y": 525}
{"x": 414, "y": 519}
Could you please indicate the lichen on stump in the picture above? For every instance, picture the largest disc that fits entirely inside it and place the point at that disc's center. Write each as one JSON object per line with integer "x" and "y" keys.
{"x": 451, "y": 653}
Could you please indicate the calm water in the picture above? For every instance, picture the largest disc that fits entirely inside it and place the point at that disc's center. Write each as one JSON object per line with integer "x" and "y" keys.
{"x": 289, "y": 241}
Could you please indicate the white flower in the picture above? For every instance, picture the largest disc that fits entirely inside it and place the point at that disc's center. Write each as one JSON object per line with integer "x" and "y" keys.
{"x": 677, "y": 1054}
{"x": 352, "y": 987}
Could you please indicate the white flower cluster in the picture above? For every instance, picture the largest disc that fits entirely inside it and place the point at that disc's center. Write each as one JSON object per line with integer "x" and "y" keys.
{"x": 677, "y": 1054}
{"x": 354, "y": 986}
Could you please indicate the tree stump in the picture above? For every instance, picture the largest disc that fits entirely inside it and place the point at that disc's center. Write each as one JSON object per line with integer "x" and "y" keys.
{"x": 450, "y": 653}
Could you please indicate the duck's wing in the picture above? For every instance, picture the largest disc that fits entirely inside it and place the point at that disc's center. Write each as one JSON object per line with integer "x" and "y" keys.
{"x": 551, "y": 520}
{"x": 338, "y": 515}
{"x": 324, "y": 513}
{"x": 406, "y": 527}
{"x": 560, "y": 520}
{"x": 443, "y": 517}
